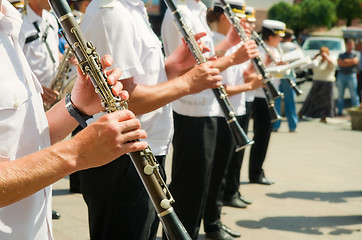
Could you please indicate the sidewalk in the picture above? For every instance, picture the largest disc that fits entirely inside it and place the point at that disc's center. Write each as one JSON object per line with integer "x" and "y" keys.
{"x": 317, "y": 194}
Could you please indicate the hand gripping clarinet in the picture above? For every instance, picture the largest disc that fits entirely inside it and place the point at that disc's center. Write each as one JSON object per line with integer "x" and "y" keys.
{"x": 144, "y": 161}
{"x": 240, "y": 138}
{"x": 261, "y": 43}
{"x": 273, "y": 93}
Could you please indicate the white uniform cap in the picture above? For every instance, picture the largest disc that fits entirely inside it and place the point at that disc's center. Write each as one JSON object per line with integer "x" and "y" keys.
{"x": 17, "y": 3}
{"x": 277, "y": 27}
{"x": 238, "y": 6}
{"x": 250, "y": 13}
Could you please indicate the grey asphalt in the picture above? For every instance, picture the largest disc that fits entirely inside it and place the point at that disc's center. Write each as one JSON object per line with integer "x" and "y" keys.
{"x": 317, "y": 194}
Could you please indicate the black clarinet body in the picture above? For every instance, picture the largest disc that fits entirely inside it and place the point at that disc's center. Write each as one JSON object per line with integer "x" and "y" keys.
{"x": 273, "y": 113}
{"x": 240, "y": 138}
{"x": 144, "y": 161}
{"x": 261, "y": 43}
{"x": 257, "y": 62}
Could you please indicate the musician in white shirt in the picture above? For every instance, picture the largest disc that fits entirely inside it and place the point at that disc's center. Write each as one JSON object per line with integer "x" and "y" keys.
{"x": 27, "y": 164}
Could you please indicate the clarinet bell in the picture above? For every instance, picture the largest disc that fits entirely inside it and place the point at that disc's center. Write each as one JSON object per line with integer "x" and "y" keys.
{"x": 274, "y": 115}
{"x": 294, "y": 86}
{"x": 240, "y": 138}
{"x": 272, "y": 91}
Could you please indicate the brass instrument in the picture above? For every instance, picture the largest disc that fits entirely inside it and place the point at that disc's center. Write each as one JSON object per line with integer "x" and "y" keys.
{"x": 261, "y": 43}
{"x": 240, "y": 138}
{"x": 144, "y": 161}
{"x": 62, "y": 83}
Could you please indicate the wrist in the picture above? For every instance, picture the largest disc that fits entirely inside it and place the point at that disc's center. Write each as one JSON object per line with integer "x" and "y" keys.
{"x": 80, "y": 117}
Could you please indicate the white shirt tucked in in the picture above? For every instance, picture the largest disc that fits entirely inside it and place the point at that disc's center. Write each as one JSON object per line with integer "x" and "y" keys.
{"x": 24, "y": 130}
{"x": 121, "y": 29}
{"x": 203, "y": 104}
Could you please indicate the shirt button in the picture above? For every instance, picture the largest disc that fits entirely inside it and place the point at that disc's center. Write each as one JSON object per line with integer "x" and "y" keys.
{"x": 16, "y": 103}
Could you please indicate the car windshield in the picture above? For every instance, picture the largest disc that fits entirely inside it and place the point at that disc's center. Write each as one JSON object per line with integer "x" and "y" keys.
{"x": 317, "y": 44}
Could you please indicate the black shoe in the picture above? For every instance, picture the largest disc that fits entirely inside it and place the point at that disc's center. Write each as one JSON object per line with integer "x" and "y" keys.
{"x": 230, "y": 232}
{"x": 235, "y": 202}
{"x": 219, "y": 235}
{"x": 262, "y": 180}
{"x": 55, "y": 214}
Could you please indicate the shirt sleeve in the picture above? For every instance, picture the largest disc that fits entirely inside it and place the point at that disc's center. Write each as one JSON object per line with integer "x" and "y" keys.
{"x": 111, "y": 31}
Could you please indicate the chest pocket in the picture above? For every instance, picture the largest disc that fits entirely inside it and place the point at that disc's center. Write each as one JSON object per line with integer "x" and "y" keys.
{"x": 14, "y": 96}
{"x": 153, "y": 52}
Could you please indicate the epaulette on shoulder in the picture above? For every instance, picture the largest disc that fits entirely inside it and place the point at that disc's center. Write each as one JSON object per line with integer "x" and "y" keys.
{"x": 107, "y": 3}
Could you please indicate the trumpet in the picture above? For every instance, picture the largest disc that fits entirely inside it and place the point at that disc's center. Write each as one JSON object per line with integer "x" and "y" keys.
{"x": 144, "y": 161}
{"x": 240, "y": 138}
{"x": 261, "y": 43}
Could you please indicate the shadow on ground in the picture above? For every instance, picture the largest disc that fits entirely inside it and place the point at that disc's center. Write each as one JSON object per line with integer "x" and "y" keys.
{"x": 332, "y": 197}
{"x": 307, "y": 225}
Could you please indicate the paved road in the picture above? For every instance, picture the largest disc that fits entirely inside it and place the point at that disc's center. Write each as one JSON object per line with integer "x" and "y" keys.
{"x": 317, "y": 194}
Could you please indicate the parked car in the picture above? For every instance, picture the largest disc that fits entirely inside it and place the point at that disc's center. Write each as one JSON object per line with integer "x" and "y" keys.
{"x": 312, "y": 45}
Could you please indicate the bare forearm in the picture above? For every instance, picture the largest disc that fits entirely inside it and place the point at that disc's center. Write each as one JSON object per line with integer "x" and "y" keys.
{"x": 61, "y": 124}
{"x": 144, "y": 99}
{"x": 224, "y": 62}
{"x": 233, "y": 90}
{"x": 27, "y": 175}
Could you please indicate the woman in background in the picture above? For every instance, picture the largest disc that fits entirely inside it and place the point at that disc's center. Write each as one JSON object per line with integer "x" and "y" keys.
{"x": 320, "y": 100}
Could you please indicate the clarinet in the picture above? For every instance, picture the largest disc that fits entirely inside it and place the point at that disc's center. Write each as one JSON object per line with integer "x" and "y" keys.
{"x": 258, "y": 64}
{"x": 273, "y": 113}
{"x": 261, "y": 43}
{"x": 144, "y": 161}
{"x": 240, "y": 138}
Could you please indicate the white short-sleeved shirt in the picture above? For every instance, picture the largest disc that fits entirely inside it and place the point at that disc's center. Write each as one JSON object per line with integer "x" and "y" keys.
{"x": 36, "y": 51}
{"x": 121, "y": 29}
{"x": 234, "y": 76}
{"x": 203, "y": 104}
{"x": 24, "y": 130}
{"x": 259, "y": 93}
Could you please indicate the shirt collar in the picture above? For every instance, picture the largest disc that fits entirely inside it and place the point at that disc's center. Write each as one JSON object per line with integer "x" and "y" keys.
{"x": 11, "y": 22}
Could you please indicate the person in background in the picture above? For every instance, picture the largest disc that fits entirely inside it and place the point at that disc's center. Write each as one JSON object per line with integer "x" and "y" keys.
{"x": 272, "y": 33}
{"x": 320, "y": 100}
{"x": 40, "y": 42}
{"x": 287, "y": 45}
{"x": 232, "y": 195}
{"x": 347, "y": 76}
{"x": 235, "y": 87}
{"x": 196, "y": 119}
{"x": 359, "y": 75}
{"x": 28, "y": 164}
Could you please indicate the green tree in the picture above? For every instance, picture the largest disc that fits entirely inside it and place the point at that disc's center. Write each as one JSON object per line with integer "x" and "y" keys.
{"x": 314, "y": 13}
{"x": 289, "y": 14}
{"x": 349, "y": 10}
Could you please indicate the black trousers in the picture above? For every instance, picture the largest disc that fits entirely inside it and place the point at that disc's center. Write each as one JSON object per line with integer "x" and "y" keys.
{"x": 118, "y": 204}
{"x": 232, "y": 176}
{"x": 225, "y": 147}
{"x": 194, "y": 144}
{"x": 262, "y": 130}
